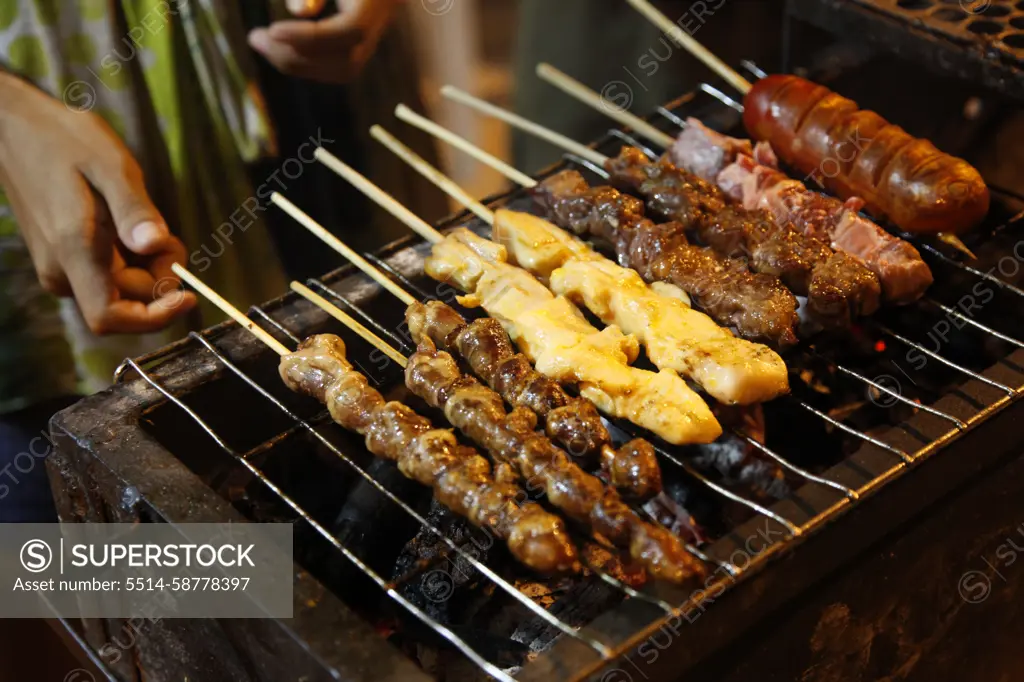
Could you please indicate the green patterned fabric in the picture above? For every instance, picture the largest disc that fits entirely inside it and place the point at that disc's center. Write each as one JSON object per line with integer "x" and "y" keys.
{"x": 174, "y": 79}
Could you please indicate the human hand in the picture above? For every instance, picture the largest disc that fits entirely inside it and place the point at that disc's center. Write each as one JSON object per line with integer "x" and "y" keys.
{"x": 331, "y": 50}
{"x": 84, "y": 213}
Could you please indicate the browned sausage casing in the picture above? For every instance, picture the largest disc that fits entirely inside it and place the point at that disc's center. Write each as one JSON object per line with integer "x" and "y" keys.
{"x": 854, "y": 152}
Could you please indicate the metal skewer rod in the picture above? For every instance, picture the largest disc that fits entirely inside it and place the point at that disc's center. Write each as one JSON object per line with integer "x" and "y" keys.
{"x": 379, "y": 196}
{"x": 688, "y": 43}
{"x": 526, "y": 125}
{"x": 230, "y": 310}
{"x": 574, "y": 88}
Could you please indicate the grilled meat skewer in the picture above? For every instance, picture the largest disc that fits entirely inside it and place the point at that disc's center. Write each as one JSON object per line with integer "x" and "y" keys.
{"x": 564, "y": 346}
{"x": 509, "y": 437}
{"x": 750, "y": 175}
{"x": 758, "y": 306}
{"x": 838, "y": 287}
{"x": 677, "y": 337}
{"x": 461, "y": 478}
{"x": 573, "y": 423}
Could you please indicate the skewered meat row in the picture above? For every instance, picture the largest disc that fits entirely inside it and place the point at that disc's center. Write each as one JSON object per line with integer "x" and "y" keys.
{"x": 564, "y": 346}
{"x": 750, "y": 176}
{"x": 460, "y": 478}
{"x": 677, "y": 337}
{"x": 509, "y": 437}
{"x": 573, "y": 423}
{"x": 899, "y": 177}
{"x": 758, "y": 306}
{"x": 838, "y": 287}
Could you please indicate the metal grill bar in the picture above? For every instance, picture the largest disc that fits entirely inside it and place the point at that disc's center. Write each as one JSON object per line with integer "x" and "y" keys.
{"x": 615, "y": 582}
{"x": 447, "y": 634}
{"x": 721, "y": 97}
{"x": 854, "y": 432}
{"x": 633, "y": 142}
{"x": 974, "y": 323}
{"x": 407, "y": 284}
{"x": 599, "y": 647}
{"x": 672, "y": 117}
{"x": 948, "y": 363}
{"x": 274, "y": 323}
{"x": 724, "y": 492}
{"x": 586, "y": 163}
{"x": 753, "y": 68}
{"x": 926, "y": 408}
{"x": 967, "y": 268}
{"x": 783, "y": 462}
{"x": 380, "y": 329}
{"x": 612, "y": 580}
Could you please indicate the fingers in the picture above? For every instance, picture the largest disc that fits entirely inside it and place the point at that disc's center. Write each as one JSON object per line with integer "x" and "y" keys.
{"x": 95, "y": 269}
{"x": 317, "y": 50}
{"x": 135, "y": 317}
{"x": 335, "y": 35}
{"x": 139, "y": 224}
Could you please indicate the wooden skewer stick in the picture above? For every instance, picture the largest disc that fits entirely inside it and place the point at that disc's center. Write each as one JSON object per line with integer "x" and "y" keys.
{"x": 446, "y": 184}
{"x": 688, "y": 43}
{"x": 574, "y": 88}
{"x": 479, "y": 154}
{"x": 349, "y": 321}
{"x": 320, "y": 231}
{"x": 382, "y": 198}
{"x": 526, "y": 125}
{"x": 230, "y": 310}
{"x": 954, "y": 241}
{"x": 425, "y": 124}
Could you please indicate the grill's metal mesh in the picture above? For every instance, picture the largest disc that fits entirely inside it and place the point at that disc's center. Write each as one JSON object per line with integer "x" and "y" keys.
{"x": 978, "y": 41}
{"x": 834, "y": 493}
{"x": 995, "y": 25}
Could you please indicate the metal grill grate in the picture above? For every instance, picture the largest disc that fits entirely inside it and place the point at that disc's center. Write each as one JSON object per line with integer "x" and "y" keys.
{"x": 966, "y": 396}
{"x": 972, "y": 39}
{"x": 994, "y": 25}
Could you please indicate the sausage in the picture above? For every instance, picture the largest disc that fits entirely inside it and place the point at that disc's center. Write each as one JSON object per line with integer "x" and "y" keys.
{"x": 857, "y": 153}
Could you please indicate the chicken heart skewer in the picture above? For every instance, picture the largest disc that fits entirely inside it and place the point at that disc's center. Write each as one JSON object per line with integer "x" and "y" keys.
{"x": 572, "y": 422}
{"x": 749, "y": 175}
{"x": 551, "y": 331}
{"x": 460, "y": 477}
{"x": 733, "y": 371}
{"x": 509, "y": 437}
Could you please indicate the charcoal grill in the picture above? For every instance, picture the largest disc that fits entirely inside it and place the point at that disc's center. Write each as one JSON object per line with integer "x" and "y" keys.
{"x": 974, "y": 40}
{"x": 885, "y": 425}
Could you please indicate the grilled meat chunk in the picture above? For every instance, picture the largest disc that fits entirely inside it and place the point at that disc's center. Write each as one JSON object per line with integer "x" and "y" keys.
{"x": 758, "y": 306}
{"x": 480, "y": 413}
{"x": 751, "y": 177}
{"x": 573, "y": 423}
{"x": 774, "y": 248}
{"x": 461, "y": 478}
